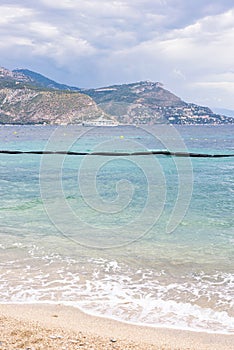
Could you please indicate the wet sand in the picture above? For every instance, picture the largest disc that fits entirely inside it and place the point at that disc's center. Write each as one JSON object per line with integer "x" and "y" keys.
{"x": 58, "y": 327}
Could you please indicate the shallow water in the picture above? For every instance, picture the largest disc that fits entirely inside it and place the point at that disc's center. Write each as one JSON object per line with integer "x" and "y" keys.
{"x": 145, "y": 239}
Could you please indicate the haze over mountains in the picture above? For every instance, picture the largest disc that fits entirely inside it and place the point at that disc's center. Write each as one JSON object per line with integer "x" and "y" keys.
{"x": 224, "y": 111}
{"x": 27, "y": 97}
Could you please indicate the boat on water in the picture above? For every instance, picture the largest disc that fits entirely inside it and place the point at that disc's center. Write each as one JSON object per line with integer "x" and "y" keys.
{"x": 101, "y": 121}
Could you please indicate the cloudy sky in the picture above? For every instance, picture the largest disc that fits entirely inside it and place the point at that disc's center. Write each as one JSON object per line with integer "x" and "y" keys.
{"x": 188, "y": 45}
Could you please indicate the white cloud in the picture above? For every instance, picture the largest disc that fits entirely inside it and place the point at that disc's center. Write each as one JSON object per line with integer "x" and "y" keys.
{"x": 202, "y": 51}
{"x": 23, "y": 27}
{"x": 179, "y": 74}
{"x": 187, "y": 45}
{"x": 64, "y": 50}
{"x": 43, "y": 30}
{"x": 224, "y": 85}
{"x": 210, "y": 39}
{"x": 11, "y": 15}
{"x": 64, "y": 4}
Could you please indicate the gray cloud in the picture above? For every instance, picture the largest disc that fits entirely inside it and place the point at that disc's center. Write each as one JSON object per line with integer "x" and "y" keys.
{"x": 186, "y": 44}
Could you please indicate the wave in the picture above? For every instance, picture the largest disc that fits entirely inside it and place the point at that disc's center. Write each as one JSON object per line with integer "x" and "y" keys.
{"x": 107, "y": 288}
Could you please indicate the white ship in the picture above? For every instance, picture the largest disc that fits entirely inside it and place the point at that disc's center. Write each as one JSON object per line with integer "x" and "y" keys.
{"x": 101, "y": 121}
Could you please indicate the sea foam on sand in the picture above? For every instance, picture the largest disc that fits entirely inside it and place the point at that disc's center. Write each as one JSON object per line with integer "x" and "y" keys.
{"x": 44, "y": 326}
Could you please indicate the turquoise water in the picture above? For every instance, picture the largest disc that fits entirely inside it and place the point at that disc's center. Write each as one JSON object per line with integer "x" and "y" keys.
{"x": 143, "y": 239}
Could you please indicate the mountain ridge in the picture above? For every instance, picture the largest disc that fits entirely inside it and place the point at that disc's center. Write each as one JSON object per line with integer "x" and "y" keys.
{"x": 24, "y": 102}
{"x": 225, "y": 111}
{"x": 43, "y": 81}
{"x": 147, "y": 102}
{"x": 30, "y": 97}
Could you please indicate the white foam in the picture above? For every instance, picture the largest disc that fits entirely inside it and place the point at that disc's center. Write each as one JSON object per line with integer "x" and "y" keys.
{"x": 110, "y": 289}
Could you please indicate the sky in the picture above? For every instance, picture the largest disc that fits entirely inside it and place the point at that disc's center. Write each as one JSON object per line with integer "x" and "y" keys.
{"x": 188, "y": 45}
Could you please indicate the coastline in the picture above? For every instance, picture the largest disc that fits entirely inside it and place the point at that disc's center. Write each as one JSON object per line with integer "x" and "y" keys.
{"x": 46, "y": 326}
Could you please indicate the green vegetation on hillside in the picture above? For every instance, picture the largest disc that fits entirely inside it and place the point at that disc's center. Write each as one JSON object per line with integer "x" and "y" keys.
{"x": 29, "y": 97}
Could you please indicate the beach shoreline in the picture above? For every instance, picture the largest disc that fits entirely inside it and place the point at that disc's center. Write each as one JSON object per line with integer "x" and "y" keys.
{"x": 48, "y": 326}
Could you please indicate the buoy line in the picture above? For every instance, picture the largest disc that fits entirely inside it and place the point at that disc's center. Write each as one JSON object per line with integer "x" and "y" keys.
{"x": 124, "y": 154}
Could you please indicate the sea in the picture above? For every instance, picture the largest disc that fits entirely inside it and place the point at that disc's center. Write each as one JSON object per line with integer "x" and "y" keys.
{"x": 110, "y": 228}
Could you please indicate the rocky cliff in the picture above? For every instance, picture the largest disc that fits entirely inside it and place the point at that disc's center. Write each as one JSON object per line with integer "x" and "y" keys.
{"x": 21, "y": 102}
{"x": 27, "y": 97}
{"x": 148, "y": 102}
{"x": 28, "y": 106}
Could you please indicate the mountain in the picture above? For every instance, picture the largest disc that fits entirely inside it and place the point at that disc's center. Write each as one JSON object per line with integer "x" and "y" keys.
{"x": 40, "y": 80}
{"x": 23, "y": 103}
{"x": 29, "y": 97}
{"x": 224, "y": 111}
{"x": 28, "y": 106}
{"x": 148, "y": 102}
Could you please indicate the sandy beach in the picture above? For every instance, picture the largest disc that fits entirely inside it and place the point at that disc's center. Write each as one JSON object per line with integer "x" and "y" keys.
{"x": 43, "y": 326}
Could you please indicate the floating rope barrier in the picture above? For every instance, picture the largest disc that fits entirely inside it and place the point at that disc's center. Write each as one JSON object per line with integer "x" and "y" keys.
{"x": 123, "y": 154}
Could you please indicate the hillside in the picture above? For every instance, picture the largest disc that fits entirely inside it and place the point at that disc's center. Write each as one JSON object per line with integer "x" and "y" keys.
{"x": 147, "y": 102}
{"x": 23, "y": 103}
{"x": 40, "y": 80}
{"x": 27, "y": 97}
{"x": 27, "y": 106}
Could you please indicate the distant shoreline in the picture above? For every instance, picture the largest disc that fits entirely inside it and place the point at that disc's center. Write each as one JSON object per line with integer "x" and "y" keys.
{"x": 117, "y": 126}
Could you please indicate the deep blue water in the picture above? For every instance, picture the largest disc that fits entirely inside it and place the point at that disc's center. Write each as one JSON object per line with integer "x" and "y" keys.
{"x": 145, "y": 239}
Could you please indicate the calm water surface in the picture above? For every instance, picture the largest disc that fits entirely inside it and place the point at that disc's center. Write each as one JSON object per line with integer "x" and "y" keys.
{"x": 120, "y": 236}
